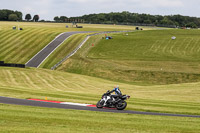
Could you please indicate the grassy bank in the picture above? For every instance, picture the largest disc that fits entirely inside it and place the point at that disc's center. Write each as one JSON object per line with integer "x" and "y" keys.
{"x": 67, "y": 87}
{"x": 34, "y": 119}
{"x": 146, "y": 57}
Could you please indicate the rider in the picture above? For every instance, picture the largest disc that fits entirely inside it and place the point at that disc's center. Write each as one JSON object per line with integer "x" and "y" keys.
{"x": 117, "y": 92}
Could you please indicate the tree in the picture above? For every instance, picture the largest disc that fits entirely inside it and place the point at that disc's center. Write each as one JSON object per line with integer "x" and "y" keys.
{"x": 167, "y": 21}
{"x": 13, "y": 17}
{"x": 191, "y": 25}
{"x": 134, "y": 18}
{"x": 3, "y": 15}
{"x": 19, "y": 15}
{"x": 8, "y": 12}
{"x": 63, "y": 18}
{"x": 28, "y": 17}
{"x": 147, "y": 21}
{"x": 57, "y": 19}
{"x": 36, "y": 18}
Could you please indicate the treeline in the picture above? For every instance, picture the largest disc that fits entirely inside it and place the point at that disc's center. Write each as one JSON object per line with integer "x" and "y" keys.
{"x": 9, "y": 15}
{"x": 134, "y": 18}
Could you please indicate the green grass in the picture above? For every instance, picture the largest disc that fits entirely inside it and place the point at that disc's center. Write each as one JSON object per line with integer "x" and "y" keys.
{"x": 150, "y": 46}
{"x": 145, "y": 57}
{"x": 20, "y": 46}
{"x": 67, "y": 87}
{"x": 35, "y": 119}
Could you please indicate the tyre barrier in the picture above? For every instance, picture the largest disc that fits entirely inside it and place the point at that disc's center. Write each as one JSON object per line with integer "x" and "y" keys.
{"x": 11, "y": 65}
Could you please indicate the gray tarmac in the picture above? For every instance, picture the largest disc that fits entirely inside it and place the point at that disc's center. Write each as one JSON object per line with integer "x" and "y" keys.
{"x": 7, "y": 100}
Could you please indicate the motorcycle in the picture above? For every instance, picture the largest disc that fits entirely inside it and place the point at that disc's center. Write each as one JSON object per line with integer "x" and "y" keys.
{"x": 113, "y": 101}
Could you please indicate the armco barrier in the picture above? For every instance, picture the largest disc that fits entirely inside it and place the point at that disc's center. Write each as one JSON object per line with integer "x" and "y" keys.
{"x": 11, "y": 64}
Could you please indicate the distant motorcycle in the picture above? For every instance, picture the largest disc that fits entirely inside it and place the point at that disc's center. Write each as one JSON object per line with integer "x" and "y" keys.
{"x": 113, "y": 101}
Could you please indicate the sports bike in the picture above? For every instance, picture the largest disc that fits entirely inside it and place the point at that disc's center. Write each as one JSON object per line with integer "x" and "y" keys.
{"x": 113, "y": 101}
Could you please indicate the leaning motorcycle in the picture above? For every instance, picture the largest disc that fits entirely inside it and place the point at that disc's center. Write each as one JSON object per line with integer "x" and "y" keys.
{"x": 113, "y": 101}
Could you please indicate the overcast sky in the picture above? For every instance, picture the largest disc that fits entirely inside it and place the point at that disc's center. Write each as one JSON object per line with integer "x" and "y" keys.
{"x": 48, "y": 9}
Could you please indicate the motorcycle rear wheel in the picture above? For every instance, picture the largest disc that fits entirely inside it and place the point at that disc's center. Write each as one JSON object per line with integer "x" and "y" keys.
{"x": 121, "y": 105}
{"x": 98, "y": 105}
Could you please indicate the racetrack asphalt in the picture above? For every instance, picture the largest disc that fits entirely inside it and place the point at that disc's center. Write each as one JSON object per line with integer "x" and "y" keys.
{"x": 7, "y": 100}
{"x": 36, "y": 60}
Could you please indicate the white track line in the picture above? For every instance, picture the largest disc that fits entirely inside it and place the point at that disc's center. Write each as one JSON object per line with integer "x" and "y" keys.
{"x": 77, "y": 104}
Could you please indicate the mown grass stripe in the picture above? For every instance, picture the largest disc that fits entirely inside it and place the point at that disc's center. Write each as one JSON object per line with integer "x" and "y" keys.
{"x": 187, "y": 47}
{"x": 29, "y": 81}
{"x": 46, "y": 83}
{"x": 9, "y": 77}
{"x": 196, "y": 45}
{"x": 6, "y": 41}
{"x": 54, "y": 86}
{"x": 65, "y": 96}
{"x": 16, "y": 35}
{"x": 25, "y": 48}
{"x": 4, "y": 34}
{"x": 26, "y": 38}
{"x": 59, "y": 82}
{"x": 12, "y": 45}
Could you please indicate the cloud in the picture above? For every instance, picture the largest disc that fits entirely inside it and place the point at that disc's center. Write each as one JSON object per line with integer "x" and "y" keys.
{"x": 90, "y": 1}
{"x": 27, "y": 9}
{"x": 163, "y": 3}
{"x": 144, "y": 3}
{"x": 40, "y": 7}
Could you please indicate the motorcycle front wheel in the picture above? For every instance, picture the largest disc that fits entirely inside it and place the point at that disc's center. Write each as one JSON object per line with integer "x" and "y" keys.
{"x": 98, "y": 105}
{"x": 121, "y": 105}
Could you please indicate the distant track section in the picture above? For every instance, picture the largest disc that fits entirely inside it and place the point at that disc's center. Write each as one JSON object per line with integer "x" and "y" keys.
{"x": 65, "y": 105}
{"x": 81, "y": 44}
{"x": 40, "y": 57}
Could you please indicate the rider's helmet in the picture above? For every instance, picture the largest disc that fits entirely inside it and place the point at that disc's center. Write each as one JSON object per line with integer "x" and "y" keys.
{"x": 116, "y": 86}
